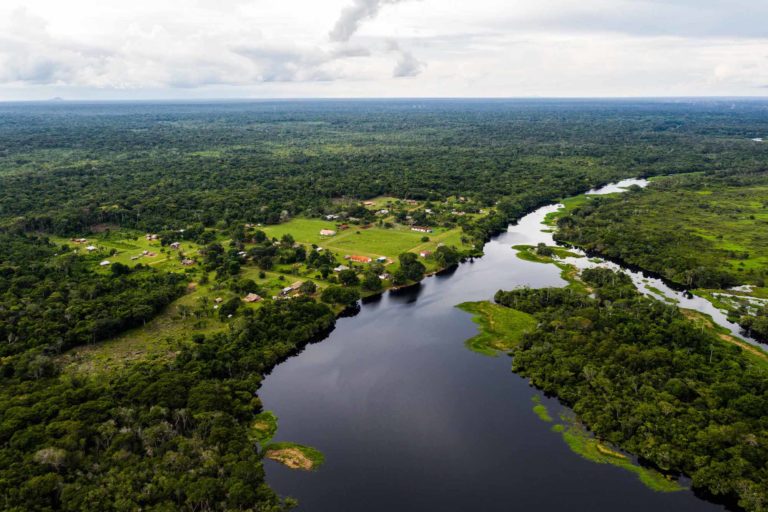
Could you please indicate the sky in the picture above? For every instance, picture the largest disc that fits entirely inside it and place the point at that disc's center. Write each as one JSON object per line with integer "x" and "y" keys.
{"x": 196, "y": 49}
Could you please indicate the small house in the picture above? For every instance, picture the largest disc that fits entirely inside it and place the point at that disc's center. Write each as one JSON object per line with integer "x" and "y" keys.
{"x": 385, "y": 276}
{"x": 340, "y": 268}
{"x": 342, "y": 227}
{"x": 252, "y": 297}
{"x": 105, "y": 263}
{"x": 327, "y": 232}
{"x": 218, "y": 300}
{"x": 90, "y": 248}
{"x": 369, "y": 203}
{"x": 421, "y": 229}
{"x": 360, "y": 259}
{"x": 176, "y": 245}
{"x": 187, "y": 262}
{"x": 331, "y": 217}
{"x": 381, "y": 259}
{"x": 425, "y": 254}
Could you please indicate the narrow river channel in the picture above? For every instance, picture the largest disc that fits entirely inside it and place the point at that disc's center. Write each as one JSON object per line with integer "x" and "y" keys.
{"x": 410, "y": 420}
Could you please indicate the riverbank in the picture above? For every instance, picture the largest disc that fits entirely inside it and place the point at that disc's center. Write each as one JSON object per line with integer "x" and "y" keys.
{"x": 394, "y": 395}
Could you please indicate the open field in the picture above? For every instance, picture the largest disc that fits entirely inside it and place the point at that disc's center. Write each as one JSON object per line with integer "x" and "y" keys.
{"x": 129, "y": 246}
{"x": 373, "y": 241}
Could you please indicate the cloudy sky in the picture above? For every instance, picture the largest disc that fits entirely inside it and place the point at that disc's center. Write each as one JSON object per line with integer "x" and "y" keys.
{"x": 155, "y": 49}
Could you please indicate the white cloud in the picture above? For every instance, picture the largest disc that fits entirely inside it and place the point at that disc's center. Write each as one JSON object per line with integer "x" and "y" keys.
{"x": 354, "y": 15}
{"x": 271, "y": 48}
{"x": 407, "y": 65}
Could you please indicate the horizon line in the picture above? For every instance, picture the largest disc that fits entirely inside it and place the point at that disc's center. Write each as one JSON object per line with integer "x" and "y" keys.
{"x": 59, "y": 100}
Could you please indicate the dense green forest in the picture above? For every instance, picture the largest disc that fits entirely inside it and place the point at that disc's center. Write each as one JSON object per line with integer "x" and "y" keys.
{"x": 154, "y": 436}
{"x": 640, "y": 375}
{"x": 696, "y": 230}
{"x": 174, "y": 433}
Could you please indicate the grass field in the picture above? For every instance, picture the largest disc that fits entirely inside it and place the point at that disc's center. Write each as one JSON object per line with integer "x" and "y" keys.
{"x": 130, "y": 245}
{"x": 373, "y": 242}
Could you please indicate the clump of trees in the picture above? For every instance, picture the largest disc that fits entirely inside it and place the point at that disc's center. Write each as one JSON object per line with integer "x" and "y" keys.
{"x": 411, "y": 269}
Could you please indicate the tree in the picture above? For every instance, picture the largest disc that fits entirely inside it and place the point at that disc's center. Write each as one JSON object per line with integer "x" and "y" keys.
{"x": 230, "y": 307}
{"x": 339, "y": 295}
{"x": 371, "y": 282}
{"x": 446, "y": 256}
{"x": 348, "y": 278}
{"x": 411, "y": 267}
{"x": 308, "y": 287}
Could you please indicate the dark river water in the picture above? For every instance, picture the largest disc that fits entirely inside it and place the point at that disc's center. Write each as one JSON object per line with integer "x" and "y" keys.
{"x": 410, "y": 420}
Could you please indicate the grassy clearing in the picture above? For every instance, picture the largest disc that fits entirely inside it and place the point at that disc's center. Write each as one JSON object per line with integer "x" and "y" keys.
{"x": 295, "y": 456}
{"x": 501, "y": 328}
{"x": 126, "y": 247}
{"x": 373, "y": 241}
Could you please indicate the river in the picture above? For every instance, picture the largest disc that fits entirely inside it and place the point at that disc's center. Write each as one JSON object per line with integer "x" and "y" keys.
{"x": 409, "y": 419}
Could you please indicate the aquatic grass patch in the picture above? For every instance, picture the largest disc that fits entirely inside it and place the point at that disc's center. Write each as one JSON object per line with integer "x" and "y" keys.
{"x": 583, "y": 443}
{"x": 501, "y": 328}
{"x": 580, "y": 441}
{"x": 540, "y": 409}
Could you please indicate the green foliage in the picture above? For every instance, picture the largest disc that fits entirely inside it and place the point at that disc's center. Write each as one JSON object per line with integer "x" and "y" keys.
{"x": 340, "y": 295}
{"x": 348, "y": 278}
{"x": 153, "y": 436}
{"x": 643, "y": 377}
{"x": 371, "y": 282}
{"x": 411, "y": 269}
{"x": 56, "y": 301}
{"x": 264, "y": 427}
{"x": 705, "y": 240}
